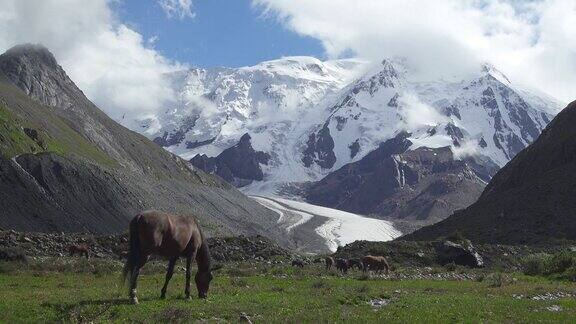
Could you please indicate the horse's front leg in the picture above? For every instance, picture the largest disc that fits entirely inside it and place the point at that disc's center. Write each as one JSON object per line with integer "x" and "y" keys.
{"x": 169, "y": 272}
{"x": 189, "y": 273}
{"x": 134, "y": 279}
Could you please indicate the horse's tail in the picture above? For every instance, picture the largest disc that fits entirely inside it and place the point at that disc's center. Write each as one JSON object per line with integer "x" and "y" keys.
{"x": 134, "y": 249}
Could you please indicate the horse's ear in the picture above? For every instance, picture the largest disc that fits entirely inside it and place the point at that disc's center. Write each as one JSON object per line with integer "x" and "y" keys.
{"x": 217, "y": 267}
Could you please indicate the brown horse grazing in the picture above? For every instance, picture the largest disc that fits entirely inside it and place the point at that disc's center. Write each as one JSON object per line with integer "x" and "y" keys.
{"x": 355, "y": 263}
{"x": 80, "y": 249}
{"x": 153, "y": 232}
{"x": 375, "y": 263}
{"x": 329, "y": 261}
{"x": 342, "y": 265}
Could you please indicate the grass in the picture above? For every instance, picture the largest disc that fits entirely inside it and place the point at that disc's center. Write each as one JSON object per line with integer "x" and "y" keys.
{"x": 275, "y": 293}
{"x": 13, "y": 140}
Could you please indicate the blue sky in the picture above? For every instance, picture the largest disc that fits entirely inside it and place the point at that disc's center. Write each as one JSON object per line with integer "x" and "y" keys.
{"x": 222, "y": 33}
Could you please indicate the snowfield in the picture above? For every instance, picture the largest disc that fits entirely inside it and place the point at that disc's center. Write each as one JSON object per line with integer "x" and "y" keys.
{"x": 339, "y": 227}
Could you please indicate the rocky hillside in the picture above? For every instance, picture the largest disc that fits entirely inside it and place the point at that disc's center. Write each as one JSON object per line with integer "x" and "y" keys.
{"x": 222, "y": 249}
{"x": 530, "y": 200}
{"x": 66, "y": 166}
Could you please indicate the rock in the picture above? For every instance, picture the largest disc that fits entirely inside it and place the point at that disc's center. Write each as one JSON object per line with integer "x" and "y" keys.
{"x": 458, "y": 253}
{"x": 239, "y": 164}
{"x": 244, "y": 318}
{"x": 377, "y": 303}
{"x": 554, "y": 308}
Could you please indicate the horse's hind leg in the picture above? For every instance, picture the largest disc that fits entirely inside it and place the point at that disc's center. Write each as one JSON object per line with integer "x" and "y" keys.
{"x": 169, "y": 273}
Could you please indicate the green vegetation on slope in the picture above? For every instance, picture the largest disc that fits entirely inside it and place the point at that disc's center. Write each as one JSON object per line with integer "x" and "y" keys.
{"x": 53, "y": 133}
{"x": 276, "y": 293}
{"x": 14, "y": 141}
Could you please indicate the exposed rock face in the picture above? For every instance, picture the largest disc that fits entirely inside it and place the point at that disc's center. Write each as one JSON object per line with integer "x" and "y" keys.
{"x": 529, "y": 201}
{"x": 423, "y": 185}
{"x": 177, "y": 136}
{"x": 458, "y": 253}
{"x": 34, "y": 70}
{"x": 238, "y": 165}
{"x": 66, "y": 166}
{"x": 319, "y": 149}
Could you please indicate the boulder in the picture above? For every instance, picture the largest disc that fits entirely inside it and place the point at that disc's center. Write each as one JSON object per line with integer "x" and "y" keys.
{"x": 462, "y": 253}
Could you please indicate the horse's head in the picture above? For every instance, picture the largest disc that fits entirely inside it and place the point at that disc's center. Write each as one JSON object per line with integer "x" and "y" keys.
{"x": 203, "y": 283}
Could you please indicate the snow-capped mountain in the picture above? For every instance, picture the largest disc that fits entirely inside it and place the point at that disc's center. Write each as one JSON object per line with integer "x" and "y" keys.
{"x": 482, "y": 115}
{"x": 215, "y": 107}
{"x": 310, "y": 118}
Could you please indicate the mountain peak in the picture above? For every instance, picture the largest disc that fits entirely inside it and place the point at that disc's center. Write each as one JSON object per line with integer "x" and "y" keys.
{"x": 489, "y": 69}
{"x": 33, "y": 69}
{"x": 35, "y": 53}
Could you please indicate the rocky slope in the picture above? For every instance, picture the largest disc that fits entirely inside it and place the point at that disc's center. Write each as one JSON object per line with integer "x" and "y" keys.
{"x": 417, "y": 187}
{"x": 66, "y": 166}
{"x": 222, "y": 249}
{"x": 530, "y": 200}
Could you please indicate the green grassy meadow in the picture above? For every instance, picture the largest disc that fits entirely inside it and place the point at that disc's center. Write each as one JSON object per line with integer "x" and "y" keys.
{"x": 278, "y": 293}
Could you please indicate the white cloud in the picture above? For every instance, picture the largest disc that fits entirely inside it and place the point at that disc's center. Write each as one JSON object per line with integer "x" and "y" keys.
{"x": 532, "y": 41}
{"x": 177, "y": 8}
{"x": 416, "y": 114}
{"x": 109, "y": 61}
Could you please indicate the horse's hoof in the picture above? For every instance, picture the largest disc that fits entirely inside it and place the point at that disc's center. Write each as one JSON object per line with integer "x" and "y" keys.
{"x": 134, "y": 301}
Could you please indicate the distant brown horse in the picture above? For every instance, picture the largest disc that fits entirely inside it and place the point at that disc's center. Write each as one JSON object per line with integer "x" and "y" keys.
{"x": 154, "y": 232}
{"x": 80, "y": 249}
{"x": 342, "y": 265}
{"x": 355, "y": 263}
{"x": 329, "y": 261}
{"x": 375, "y": 263}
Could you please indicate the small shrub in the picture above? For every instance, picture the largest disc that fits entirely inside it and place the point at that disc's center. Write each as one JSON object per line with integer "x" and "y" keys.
{"x": 278, "y": 289}
{"x": 496, "y": 280}
{"x": 238, "y": 282}
{"x": 560, "y": 262}
{"x": 450, "y": 267}
{"x": 362, "y": 289}
{"x": 570, "y": 274}
{"x": 363, "y": 276}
